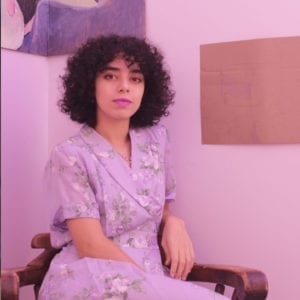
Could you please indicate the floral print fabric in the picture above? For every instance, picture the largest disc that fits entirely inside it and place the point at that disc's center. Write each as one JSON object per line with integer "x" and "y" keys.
{"x": 86, "y": 177}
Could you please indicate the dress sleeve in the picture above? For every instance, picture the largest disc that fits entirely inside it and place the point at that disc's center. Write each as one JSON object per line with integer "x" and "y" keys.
{"x": 68, "y": 190}
{"x": 170, "y": 180}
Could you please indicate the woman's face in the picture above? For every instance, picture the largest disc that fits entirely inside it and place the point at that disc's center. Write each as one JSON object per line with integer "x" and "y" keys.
{"x": 119, "y": 90}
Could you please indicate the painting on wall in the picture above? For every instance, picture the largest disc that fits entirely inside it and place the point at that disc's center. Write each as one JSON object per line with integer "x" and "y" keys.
{"x": 56, "y": 27}
{"x": 250, "y": 91}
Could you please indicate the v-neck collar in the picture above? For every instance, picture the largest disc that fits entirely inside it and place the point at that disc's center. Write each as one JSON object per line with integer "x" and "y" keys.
{"x": 111, "y": 160}
{"x": 94, "y": 138}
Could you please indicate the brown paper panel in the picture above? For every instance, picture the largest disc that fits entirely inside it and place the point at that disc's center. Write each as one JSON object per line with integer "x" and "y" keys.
{"x": 250, "y": 91}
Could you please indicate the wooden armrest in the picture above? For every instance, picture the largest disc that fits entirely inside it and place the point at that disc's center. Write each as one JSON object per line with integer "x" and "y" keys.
{"x": 33, "y": 273}
{"x": 249, "y": 284}
{"x": 35, "y": 270}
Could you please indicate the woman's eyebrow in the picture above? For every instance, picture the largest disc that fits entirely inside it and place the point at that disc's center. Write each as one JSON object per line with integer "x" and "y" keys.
{"x": 109, "y": 68}
{"x": 135, "y": 71}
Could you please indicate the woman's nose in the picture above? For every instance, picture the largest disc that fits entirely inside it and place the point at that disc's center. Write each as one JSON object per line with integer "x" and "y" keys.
{"x": 124, "y": 86}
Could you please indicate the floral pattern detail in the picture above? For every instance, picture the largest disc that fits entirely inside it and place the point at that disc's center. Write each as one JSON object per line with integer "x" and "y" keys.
{"x": 150, "y": 160}
{"x": 144, "y": 197}
{"x": 106, "y": 154}
{"x": 116, "y": 286}
{"x": 138, "y": 242}
{"x": 170, "y": 187}
{"x": 134, "y": 176}
{"x": 152, "y": 203}
{"x": 152, "y": 267}
{"x": 119, "y": 213}
{"x": 66, "y": 272}
{"x": 86, "y": 293}
{"x": 81, "y": 208}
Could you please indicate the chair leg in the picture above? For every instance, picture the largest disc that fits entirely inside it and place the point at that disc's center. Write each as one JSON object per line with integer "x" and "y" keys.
{"x": 235, "y": 295}
{"x": 36, "y": 289}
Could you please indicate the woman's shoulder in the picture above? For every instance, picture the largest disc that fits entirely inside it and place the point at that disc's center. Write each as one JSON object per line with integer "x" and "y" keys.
{"x": 157, "y": 132}
{"x": 71, "y": 146}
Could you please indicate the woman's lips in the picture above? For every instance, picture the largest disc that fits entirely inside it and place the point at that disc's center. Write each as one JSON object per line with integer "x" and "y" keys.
{"x": 122, "y": 101}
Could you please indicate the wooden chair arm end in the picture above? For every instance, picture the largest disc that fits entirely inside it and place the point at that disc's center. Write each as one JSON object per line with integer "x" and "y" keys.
{"x": 33, "y": 273}
{"x": 41, "y": 241}
{"x": 248, "y": 283}
{"x": 9, "y": 284}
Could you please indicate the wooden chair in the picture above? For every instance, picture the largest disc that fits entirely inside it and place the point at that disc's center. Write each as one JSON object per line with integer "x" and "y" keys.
{"x": 248, "y": 284}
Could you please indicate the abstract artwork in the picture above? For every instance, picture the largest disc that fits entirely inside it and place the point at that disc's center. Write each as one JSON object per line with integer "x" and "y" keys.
{"x": 250, "y": 91}
{"x": 56, "y": 27}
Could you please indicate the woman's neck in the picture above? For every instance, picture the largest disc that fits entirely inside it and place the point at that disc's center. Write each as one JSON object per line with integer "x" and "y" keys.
{"x": 115, "y": 132}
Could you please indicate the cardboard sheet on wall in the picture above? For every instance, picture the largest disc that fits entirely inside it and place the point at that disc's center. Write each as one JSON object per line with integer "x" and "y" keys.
{"x": 250, "y": 91}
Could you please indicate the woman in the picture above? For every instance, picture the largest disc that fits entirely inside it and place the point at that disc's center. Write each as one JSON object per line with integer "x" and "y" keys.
{"x": 111, "y": 184}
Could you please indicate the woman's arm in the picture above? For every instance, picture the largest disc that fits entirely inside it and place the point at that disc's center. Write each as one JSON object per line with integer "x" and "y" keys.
{"x": 177, "y": 245}
{"x": 90, "y": 241}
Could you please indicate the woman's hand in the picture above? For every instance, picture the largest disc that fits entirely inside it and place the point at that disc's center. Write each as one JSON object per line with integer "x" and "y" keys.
{"x": 178, "y": 247}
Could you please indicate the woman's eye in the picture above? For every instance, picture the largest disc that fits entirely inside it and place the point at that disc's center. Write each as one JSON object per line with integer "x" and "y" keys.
{"x": 108, "y": 76}
{"x": 137, "y": 79}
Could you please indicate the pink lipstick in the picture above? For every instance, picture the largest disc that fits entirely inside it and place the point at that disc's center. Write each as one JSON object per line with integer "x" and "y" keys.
{"x": 122, "y": 102}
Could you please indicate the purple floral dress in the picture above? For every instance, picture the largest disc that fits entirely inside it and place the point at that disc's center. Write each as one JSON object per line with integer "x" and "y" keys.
{"x": 86, "y": 177}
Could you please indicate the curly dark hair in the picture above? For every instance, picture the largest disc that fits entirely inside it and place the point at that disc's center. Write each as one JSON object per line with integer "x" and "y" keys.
{"x": 79, "y": 99}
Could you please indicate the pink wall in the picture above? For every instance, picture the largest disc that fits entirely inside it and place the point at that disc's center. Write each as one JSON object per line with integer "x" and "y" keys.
{"x": 240, "y": 203}
{"x": 60, "y": 127}
{"x": 24, "y": 132}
